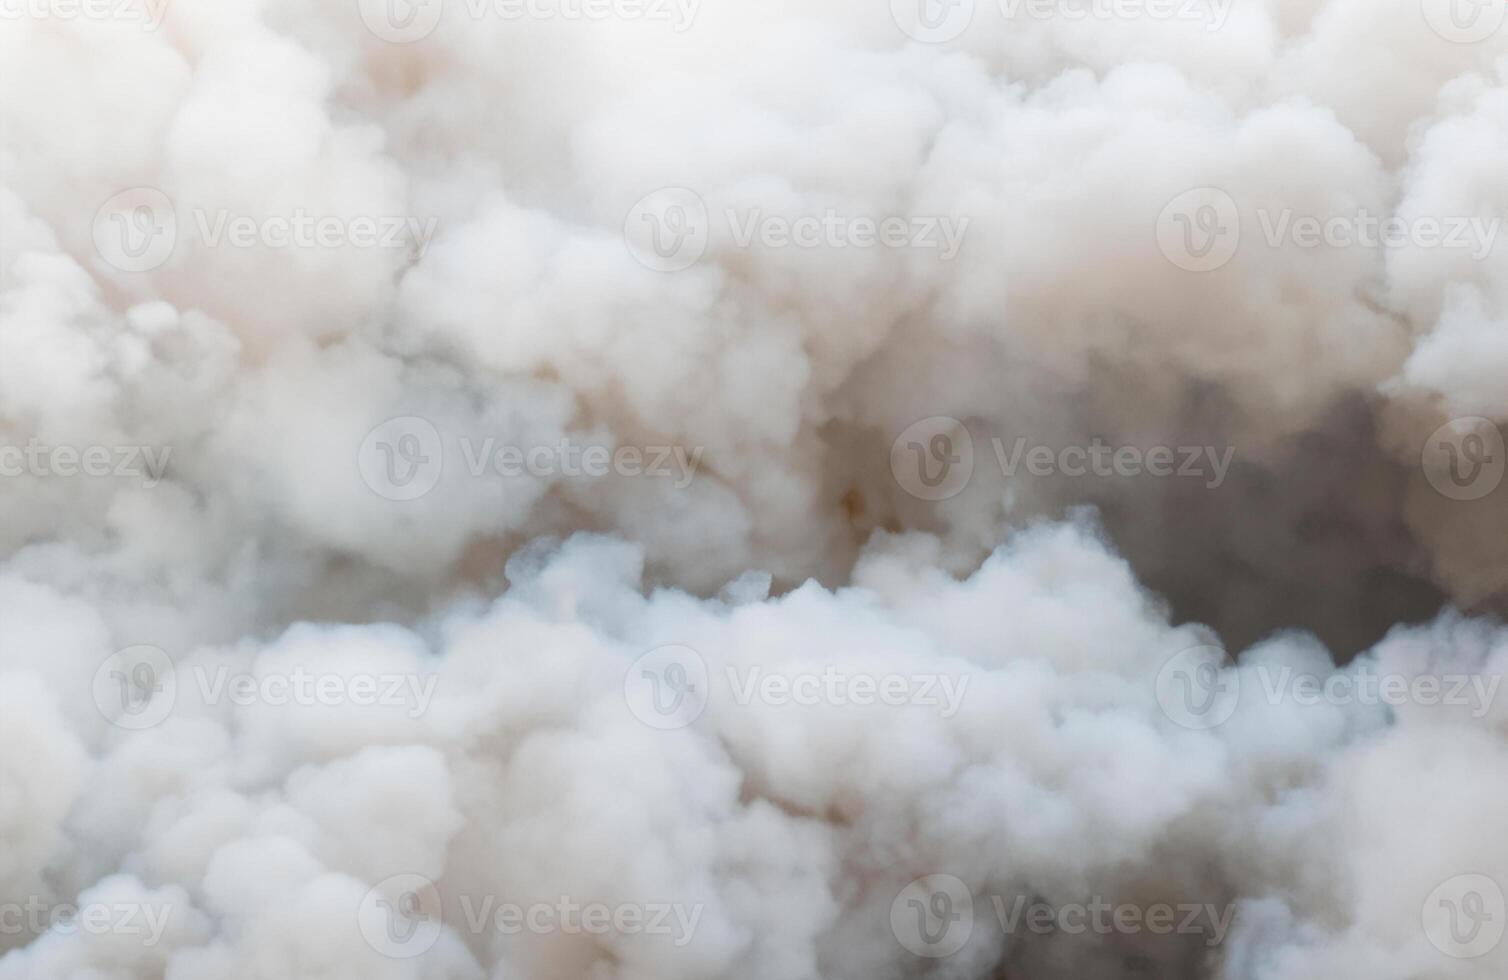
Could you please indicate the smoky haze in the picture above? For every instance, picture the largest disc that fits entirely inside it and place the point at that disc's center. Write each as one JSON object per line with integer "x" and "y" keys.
{"x": 651, "y": 489}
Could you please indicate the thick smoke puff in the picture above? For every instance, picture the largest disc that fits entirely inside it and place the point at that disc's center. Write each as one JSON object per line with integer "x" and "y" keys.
{"x": 514, "y": 768}
{"x": 1058, "y": 775}
{"x": 43, "y": 767}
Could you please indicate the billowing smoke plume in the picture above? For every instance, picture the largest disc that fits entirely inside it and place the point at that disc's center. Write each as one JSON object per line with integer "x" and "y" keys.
{"x": 639, "y": 489}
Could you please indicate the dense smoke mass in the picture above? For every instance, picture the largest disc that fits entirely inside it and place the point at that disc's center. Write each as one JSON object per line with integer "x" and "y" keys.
{"x": 842, "y": 489}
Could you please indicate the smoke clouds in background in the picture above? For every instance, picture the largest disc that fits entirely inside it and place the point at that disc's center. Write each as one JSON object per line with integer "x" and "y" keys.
{"x": 701, "y": 489}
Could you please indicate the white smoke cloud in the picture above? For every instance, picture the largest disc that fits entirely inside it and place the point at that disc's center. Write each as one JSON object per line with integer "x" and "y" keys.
{"x": 523, "y": 490}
